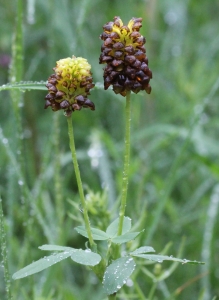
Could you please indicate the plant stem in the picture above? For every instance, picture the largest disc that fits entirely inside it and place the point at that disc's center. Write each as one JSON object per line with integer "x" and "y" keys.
{"x": 57, "y": 178}
{"x": 126, "y": 162}
{"x": 152, "y": 291}
{"x": 139, "y": 292}
{"x": 112, "y": 297}
{"x": 79, "y": 182}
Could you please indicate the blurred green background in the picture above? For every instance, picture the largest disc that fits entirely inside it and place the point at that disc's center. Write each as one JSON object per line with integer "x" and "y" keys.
{"x": 173, "y": 190}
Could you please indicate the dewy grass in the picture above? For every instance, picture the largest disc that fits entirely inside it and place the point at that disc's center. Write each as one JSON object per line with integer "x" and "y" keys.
{"x": 16, "y": 74}
{"x": 4, "y": 255}
{"x": 212, "y": 214}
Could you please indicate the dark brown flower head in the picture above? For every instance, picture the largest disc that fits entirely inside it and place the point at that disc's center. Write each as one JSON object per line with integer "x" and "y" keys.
{"x": 70, "y": 85}
{"x": 125, "y": 55}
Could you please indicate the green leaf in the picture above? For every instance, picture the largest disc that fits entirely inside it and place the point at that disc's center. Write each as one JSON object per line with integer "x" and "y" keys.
{"x": 35, "y": 85}
{"x": 24, "y": 86}
{"x": 125, "y": 237}
{"x": 42, "y": 264}
{"x": 55, "y": 248}
{"x": 168, "y": 271}
{"x": 144, "y": 249}
{"x": 96, "y": 233}
{"x": 86, "y": 257}
{"x": 161, "y": 258}
{"x": 112, "y": 229}
{"x": 117, "y": 273}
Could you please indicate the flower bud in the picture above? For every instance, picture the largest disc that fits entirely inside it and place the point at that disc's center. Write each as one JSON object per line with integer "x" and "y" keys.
{"x": 69, "y": 86}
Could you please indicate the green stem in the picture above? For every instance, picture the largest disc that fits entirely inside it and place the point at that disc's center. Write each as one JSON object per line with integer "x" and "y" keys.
{"x": 57, "y": 177}
{"x": 79, "y": 182}
{"x": 139, "y": 292}
{"x": 126, "y": 163}
{"x": 152, "y": 291}
{"x": 112, "y": 297}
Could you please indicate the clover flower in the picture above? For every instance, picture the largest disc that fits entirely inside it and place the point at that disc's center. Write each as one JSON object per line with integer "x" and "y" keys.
{"x": 70, "y": 85}
{"x": 124, "y": 53}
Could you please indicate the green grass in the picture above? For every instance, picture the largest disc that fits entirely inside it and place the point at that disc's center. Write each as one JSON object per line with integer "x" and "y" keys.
{"x": 174, "y": 168}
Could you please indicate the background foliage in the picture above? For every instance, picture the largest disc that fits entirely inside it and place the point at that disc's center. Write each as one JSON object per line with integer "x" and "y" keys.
{"x": 173, "y": 190}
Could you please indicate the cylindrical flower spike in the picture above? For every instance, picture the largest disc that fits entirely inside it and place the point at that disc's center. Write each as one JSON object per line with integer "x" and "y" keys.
{"x": 70, "y": 85}
{"x": 125, "y": 55}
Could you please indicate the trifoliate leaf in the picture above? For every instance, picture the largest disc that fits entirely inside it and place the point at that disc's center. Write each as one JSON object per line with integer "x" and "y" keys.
{"x": 55, "y": 248}
{"x": 86, "y": 257}
{"x": 42, "y": 264}
{"x": 141, "y": 250}
{"x": 160, "y": 258}
{"x": 96, "y": 233}
{"x": 113, "y": 227}
{"x": 125, "y": 237}
{"x": 24, "y": 86}
{"x": 117, "y": 273}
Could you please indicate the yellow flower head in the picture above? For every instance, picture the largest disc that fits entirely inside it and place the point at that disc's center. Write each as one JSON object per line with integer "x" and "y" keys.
{"x": 125, "y": 55}
{"x": 70, "y": 85}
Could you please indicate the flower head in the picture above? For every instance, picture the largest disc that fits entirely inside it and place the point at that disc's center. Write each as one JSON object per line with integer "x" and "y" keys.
{"x": 70, "y": 85}
{"x": 124, "y": 53}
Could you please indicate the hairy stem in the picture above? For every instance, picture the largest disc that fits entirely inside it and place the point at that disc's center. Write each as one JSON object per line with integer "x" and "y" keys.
{"x": 126, "y": 162}
{"x": 79, "y": 182}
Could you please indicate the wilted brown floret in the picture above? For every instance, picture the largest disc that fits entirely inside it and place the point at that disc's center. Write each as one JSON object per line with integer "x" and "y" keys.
{"x": 124, "y": 53}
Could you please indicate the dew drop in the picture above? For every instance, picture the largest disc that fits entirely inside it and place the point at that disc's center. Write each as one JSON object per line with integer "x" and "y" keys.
{"x": 184, "y": 261}
{"x": 21, "y": 104}
{"x": 4, "y": 141}
{"x": 159, "y": 261}
{"x": 130, "y": 259}
{"x": 129, "y": 282}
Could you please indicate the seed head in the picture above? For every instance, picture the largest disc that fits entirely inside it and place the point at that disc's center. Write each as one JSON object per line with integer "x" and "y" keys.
{"x": 125, "y": 55}
{"x": 70, "y": 85}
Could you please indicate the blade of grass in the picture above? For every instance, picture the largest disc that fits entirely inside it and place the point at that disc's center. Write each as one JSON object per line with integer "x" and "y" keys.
{"x": 4, "y": 254}
{"x": 207, "y": 240}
